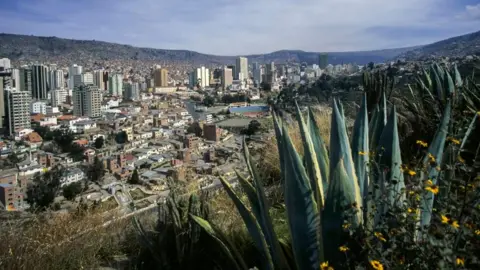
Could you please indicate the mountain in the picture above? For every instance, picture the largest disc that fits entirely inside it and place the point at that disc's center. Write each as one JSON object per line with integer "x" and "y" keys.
{"x": 455, "y": 47}
{"x": 25, "y": 48}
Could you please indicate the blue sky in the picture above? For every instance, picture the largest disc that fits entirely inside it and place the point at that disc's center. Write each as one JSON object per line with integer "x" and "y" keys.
{"x": 235, "y": 27}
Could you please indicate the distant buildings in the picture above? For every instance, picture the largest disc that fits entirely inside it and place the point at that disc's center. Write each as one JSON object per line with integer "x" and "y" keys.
{"x": 257, "y": 73}
{"x": 57, "y": 79}
{"x": 234, "y": 71}
{"x": 132, "y": 91}
{"x": 161, "y": 77}
{"x": 87, "y": 101}
{"x": 4, "y": 64}
{"x": 40, "y": 86}
{"x": 115, "y": 85}
{"x": 241, "y": 68}
{"x": 200, "y": 76}
{"x": 98, "y": 79}
{"x": 72, "y": 71}
{"x": 17, "y": 110}
{"x": 87, "y": 78}
{"x": 227, "y": 77}
{"x": 59, "y": 96}
{"x": 270, "y": 73}
{"x": 323, "y": 60}
{"x": 38, "y": 107}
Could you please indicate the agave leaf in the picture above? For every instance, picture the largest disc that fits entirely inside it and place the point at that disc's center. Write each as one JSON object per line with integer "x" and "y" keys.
{"x": 435, "y": 149}
{"x": 320, "y": 149}
{"x": 458, "y": 77}
{"x": 146, "y": 240}
{"x": 389, "y": 158}
{"x": 380, "y": 122}
{"x": 311, "y": 162}
{"x": 360, "y": 147}
{"x": 340, "y": 150}
{"x": 261, "y": 211}
{"x": 252, "y": 225}
{"x": 448, "y": 84}
{"x": 302, "y": 211}
{"x": 471, "y": 127}
{"x": 212, "y": 232}
{"x": 277, "y": 124}
{"x": 436, "y": 82}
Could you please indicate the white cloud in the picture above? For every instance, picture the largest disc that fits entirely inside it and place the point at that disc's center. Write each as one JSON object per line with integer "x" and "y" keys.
{"x": 472, "y": 12}
{"x": 247, "y": 26}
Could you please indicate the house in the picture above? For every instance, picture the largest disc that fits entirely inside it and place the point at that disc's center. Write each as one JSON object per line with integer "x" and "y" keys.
{"x": 33, "y": 138}
{"x": 82, "y": 126}
{"x": 71, "y": 175}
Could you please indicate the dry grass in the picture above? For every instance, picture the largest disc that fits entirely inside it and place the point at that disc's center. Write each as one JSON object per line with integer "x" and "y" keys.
{"x": 269, "y": 160}
{"x": 47, "y": 242}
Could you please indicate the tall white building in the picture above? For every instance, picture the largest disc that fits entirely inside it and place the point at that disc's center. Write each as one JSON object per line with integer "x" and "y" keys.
{"x": 59, "y": 96}
{"x": 258, "y": 75}
{"x": 16, "y": 78}
{"x": 5, "y": 64}
{"x": 87, "y": 78}
{"x": 72, "y": 71}
{"x": 38, "y": 107}
{"x": 59, "y": 79}
{"x": 116, "y": 85}
{"x": 87, "y": 101}
{"x": 241, "y": 68}
{"x": 17, "y": 110}
{"x": 98, "y": 79}
{"x": 200, "y": 76}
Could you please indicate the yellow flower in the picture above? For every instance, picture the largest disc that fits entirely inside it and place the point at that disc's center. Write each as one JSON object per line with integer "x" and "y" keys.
{"x": 431, "y": 157}
{"x": 455, "y": 224}
{"x": 411, "y": 192}
{"x": 445, "y": 219}
{"x": 432, "y": 189}
{"x": 454, "y": 141}
{"x": 412, "y": 173}
{"x": 461, "y": 159}
{"x": 429, "y": 182}
{"x": 460, "y": 261}
{"x": 376, "y": 265}
{"x": 346, "y": 226}
{"x": 422, "y": 143}
{"x": 343, "y": 248}
{"x": 324, "y": 266}
{"x": 438, "y": 168}
{"x": 362, "y": 153}
{"x": 380, "y": 237}
{"x": 410, "y": 210}
{"x": 477, "y": 232}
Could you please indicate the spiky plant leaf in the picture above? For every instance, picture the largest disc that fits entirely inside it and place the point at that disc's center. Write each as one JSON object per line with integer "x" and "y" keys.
{"x": 277, "y": 125}
{"x": 458, "y": 77}
{"x": 449, "y": 86}
{"x": 252, "y": 225}
{"x": 311, "y": 163}
{"x": 360, "y": 148}
{"x": 302, "y": 211}
{"x": 437, "y": 85}
{"x": 320, "y": 150}
{"x": 212, "y": 232}
{"x": 379, "y": 123}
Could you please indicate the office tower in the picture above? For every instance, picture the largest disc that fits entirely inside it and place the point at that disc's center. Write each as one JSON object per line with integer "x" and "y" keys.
{"x": 87, "y": 100}
{"x": 227, "y": 77}
{"x": 87, "y": 78}
{"x": 15, "y": 78}
{"x": 17, "y": 110}
{"x": 234, "y": 71}
{"x": 323, "y": 60}
{"x": 98, "y": 79}
{"x": 200, "y": 76}
{"x": 5, "y": 64}
{"x": 115, "y": 83}
{"x": 59, "y": 96}
{"x": 242, "y": 68}
{"x": 40, "y": 86}
{"x": 25, "y": 80}
{"x": 270, "y": 73}
{"x": 72, "y": 71}
{"x": 2, "y": 103}
{"x": 258, "y": 75}
{"x": 77, "y": 80}
{"x": 161, "y": 77}
{"x": 58, "y": 79}
{"x": 132, "y": 91}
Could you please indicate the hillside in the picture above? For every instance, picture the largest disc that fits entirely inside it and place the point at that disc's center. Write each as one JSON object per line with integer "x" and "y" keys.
{"x": 455, "y": 47}
{"x": 52, "y": 49}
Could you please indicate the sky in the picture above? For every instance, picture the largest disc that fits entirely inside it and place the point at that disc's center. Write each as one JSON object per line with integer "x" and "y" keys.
{"x": 239, "y": 27}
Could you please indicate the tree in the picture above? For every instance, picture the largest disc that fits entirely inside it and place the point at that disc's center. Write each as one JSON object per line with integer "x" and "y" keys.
{"x": 265, "y": 86}
{"x": 76, "y": 152}
{"x": 99, "y": 142}
{"x": 371, "y": 65}
{"x": 208, "y": 101}
{"x": 134, "y": 179}
{"x": 195, "y": 128}
{"x": 44, "y": 132}
{"x": 44, "y": 188}
{"x": 72, "y": 190}
{"x": 252, "y": 128}
{"x": 96, "y": 171}
{"x": 121, "y": 137}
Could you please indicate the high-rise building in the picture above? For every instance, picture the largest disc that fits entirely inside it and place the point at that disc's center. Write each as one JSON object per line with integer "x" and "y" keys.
{"x": 161, "y": 77}
{"x": 132, "y": 91}
{"x": 38, "y": 107}
{"x": 200, "y": 76}
{"x": 40, "y": 87}
{"x": 270, "y": 73}
{"x": 59, "y": 96}
{"x": 58, "y": 79}
{"x": 87, "y": 100}
{"x": 77, "y": 80}
{"x": 17, "y": 110}
{"x": 323, "y": 60}
{"x": 25, "y": 83}
{"x": 15, "y": 78}
{"x": 234, "y": 71}
{"x": 227, "y": 77}
{"x": 87, "y": 78}
{"x": 72, "y": 71}
{"x": 2, "y": 103}
{"x": 242, "y": 68}
{"x": 115, "y": 83}
{"x": 98, "y": 79}
{"x": 258, "y": 75}
{"x": 5, "y": 64}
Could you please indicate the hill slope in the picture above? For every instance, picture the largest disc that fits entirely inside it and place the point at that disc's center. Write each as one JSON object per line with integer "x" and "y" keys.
{"x": 454, "y": 47}
{"x": 53, "y": 49}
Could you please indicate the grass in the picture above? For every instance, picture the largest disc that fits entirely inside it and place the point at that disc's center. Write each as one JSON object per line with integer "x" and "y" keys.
{"x": 137, "y": 194}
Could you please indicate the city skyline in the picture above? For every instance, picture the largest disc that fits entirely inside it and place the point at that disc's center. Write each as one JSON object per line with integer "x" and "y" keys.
{"x": 246, "y": 27}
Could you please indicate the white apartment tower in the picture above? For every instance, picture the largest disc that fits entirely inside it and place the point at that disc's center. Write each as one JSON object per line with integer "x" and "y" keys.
{"x": 87, "y": 78}
{"x": 200, "y": 76}
{"x": 87, "y": 101}
{"x": 59, "y": 96}
{"x": 98, "y": 79}
{"x": 5, "y": 64}
{"x": 17, "y": 109}
{"x": 72, "y": 71}
{"x": 116, "y": 85}
{"x": 241, "y": 69}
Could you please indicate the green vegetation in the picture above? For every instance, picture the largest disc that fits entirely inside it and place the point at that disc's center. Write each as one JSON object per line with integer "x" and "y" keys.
{"x": 195, "y": 129}
{"x": 42, "y": 191}
{"x": 71, "y": 191}
{"x": 99, "y": 142}
{"x": 208, "y": 101}
{"x": 134, "y": 178}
